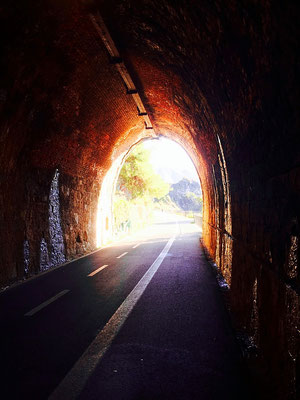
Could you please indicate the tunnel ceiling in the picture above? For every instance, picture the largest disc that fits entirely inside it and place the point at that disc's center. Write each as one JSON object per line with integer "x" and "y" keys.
{"x": 202, "y": 68}
{"x": 213, "y": 67}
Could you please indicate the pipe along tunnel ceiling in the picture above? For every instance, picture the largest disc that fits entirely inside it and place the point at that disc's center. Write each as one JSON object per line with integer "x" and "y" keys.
{"x": 82, "y": 82}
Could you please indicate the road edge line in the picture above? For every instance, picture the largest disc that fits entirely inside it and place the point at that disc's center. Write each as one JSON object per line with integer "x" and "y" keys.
{"x": 73, "y": 383}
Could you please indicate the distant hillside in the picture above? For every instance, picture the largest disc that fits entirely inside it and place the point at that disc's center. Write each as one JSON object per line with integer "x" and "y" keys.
{"x": 172, "y": 175}
{"x": 187, "y": 195}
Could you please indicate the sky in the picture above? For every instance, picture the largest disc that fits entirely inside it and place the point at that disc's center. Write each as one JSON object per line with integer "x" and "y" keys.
{"x": 170, "y": 160}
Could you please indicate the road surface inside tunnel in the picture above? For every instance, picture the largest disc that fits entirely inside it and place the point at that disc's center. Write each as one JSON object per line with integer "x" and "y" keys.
{"x": 173, "y": 342}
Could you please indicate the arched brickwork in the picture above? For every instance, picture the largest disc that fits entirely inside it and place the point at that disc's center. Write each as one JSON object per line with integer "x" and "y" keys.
{"x": 219, "y": 77}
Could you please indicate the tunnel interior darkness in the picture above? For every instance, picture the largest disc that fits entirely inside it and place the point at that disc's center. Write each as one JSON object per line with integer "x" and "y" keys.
{"x": 84, "y": 81}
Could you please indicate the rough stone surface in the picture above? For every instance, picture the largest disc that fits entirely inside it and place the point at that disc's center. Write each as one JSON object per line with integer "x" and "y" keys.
{"x": 185, "y": 195}
{"x": 220, "y": 77}
{"x": 57, "y": 246}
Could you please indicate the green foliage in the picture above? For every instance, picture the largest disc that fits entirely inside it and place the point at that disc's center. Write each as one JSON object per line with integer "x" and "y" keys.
{"x": 137, "y": 186}
{"x": 121, "y": 209}
{"x": 193, "y": 196}
{"x": 199, "y": 199}
{"x": 137, "y": 178}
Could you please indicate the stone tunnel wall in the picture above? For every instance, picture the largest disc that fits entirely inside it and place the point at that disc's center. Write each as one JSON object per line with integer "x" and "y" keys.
{"x": 219, "y": 77}
{"x": 230, "y": 80}
{"x": 63, "y": 108}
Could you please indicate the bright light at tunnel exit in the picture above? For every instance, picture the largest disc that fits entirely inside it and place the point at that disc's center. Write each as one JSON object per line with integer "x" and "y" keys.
{"x": 170, "y": 160}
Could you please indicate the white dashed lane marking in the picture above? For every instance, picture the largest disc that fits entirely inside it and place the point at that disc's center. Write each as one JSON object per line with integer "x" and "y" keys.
{"x": 46, "y": 303}
{"x": 74, "y": 382}
{"x": 97, "y": 270}
{"x": 126, "y": 252}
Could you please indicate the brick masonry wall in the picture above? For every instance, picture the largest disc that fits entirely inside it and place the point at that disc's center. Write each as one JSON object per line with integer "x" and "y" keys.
{"x": 220, "y": 78}
{"x": 227, "y": 70}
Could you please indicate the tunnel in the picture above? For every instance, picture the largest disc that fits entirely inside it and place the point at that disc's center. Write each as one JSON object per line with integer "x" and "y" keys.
{"x": 82, "y": 82}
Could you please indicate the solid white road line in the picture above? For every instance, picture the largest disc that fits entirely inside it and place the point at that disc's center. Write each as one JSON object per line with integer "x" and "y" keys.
{"x": 46, "y": 303}
{"x": 74, "y": 382}
{"x": 137, "y": 245}
{"x": 126, "y": 252}
{"x": 97, "y": 270}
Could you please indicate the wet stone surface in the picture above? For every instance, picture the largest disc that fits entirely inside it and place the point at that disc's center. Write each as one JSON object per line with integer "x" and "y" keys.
{"x": 26, "y": 256}
{"x": 56, "y": 235}
{"x": 44, "y": 256}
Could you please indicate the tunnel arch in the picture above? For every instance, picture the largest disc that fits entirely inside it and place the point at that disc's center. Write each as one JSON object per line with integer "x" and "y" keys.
{"x": 104, "y": 229}
{"x": 222, "y": 76}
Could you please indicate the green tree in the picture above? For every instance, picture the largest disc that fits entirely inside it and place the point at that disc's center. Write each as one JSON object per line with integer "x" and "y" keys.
{"x": 137, "y": 178}
{"x": 121, "y": 208}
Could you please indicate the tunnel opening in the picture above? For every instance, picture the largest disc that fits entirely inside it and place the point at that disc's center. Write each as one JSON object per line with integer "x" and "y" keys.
{"x": 76, "y": 95}
{"x": 155, "y": 177}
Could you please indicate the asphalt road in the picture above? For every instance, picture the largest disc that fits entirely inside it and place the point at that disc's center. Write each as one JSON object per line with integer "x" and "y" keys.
{"x": 140, "y": 319}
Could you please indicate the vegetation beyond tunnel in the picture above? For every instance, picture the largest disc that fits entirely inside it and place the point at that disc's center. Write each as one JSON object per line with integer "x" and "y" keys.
{"x": 148, "y": 186}
{"x": 83, "y": 81}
